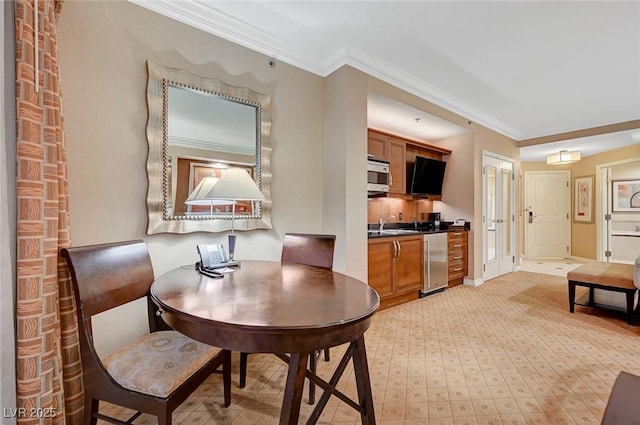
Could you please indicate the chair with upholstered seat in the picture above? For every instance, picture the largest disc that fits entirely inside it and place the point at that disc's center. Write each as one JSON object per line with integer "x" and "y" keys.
{"x": 156, "y": 372}
{"x": 623, "y": 407}
{"x": 311, "y": 250}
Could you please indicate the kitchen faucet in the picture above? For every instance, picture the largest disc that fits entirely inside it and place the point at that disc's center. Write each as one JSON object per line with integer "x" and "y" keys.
{"x": 382, "y": 222}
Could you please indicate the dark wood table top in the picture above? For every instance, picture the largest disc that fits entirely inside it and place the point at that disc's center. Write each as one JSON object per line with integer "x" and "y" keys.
{"x": 266, "y": 306}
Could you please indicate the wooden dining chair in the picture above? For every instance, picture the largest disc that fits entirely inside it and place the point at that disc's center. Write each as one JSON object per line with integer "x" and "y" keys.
{"x": 311, "y": 250}
{"x": 156, "y": 372}
{"x": 623, "y": 407}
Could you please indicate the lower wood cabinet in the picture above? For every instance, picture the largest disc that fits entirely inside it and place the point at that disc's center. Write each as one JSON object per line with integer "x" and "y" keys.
{"x": 396, "y": 268}
{"x": 458, "y": 252}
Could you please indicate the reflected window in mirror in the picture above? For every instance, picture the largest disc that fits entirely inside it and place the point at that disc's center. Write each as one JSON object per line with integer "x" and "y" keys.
{"x": 198, "y": 127}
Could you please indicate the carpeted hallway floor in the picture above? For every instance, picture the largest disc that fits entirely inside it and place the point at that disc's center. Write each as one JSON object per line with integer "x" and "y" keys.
{"x": 507, "y": 352}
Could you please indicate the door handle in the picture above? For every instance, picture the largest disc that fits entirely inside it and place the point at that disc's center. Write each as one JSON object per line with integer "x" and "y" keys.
{"x": 530, "y": 216}
{"x": 396, "y": 250}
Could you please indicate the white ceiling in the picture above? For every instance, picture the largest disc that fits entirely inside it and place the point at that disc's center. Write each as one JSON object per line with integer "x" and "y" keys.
{"x": 587, "y": 146}
{"x": 395, "y": 117}
{"x": 524, "y": 69}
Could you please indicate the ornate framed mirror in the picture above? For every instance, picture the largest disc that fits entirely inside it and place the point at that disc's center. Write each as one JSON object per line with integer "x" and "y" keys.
{"x": 196, "y": 128}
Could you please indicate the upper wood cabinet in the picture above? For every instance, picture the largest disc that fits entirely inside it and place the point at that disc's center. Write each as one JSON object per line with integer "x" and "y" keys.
{"x": 400, "y": 153}
{"x": 396, "y": 154}
{"x": 393, "y": 150}
{"x": 377, "y": 145}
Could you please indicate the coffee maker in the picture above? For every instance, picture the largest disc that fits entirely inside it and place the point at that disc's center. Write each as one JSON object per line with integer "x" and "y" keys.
{"x": 434, "y": 218}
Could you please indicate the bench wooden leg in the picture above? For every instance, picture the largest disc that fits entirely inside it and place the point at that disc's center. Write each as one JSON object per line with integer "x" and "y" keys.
{"x": 631, "y": 295}
{"x": 592, "y": 298}
{"x": 572, "y": 295}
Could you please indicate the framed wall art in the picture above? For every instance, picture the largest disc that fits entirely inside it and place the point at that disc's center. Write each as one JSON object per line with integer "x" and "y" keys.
{"x": 626, "y": 196}
{"x": 583, "y": 199}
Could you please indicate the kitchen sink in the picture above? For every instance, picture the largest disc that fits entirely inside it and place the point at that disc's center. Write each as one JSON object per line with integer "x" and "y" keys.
{"x": 393, "y": 232}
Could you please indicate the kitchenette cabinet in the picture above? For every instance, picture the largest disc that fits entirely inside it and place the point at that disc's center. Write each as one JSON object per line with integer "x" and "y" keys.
{"x": 458, "y": 249}
{"x": 396, "y": 269}
{"x": 390, "y": 149}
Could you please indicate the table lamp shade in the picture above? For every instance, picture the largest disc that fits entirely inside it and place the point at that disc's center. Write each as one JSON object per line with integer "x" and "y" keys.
{"x": 236, "y": 184}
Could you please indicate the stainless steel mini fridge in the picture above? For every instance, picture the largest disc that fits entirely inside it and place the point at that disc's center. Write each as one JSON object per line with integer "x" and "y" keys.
{"x": 436, "y": 267}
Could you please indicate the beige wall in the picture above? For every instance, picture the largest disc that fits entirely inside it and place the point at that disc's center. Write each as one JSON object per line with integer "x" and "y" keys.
{"x": 345, "y": 162}
{"x": 584, "y": 236}
{"x": 103, "y": 47}
{"x": 458, "y": 192}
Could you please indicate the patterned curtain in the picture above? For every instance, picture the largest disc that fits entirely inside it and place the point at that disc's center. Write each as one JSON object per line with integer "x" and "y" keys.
{"x": 49, "y": 373}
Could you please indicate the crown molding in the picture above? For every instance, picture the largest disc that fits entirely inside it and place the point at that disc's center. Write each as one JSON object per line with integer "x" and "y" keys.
{"x": 586, "y": 132}
{"x": 210, "y": 145}
{"x": 206, "y": 18}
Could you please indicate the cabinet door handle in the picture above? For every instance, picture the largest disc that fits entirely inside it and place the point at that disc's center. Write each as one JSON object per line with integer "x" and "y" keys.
{"x": 458, "y": 269}
{"x": 458, "y": 246}
{"x": 399, "y": 249}
{"x": 395, "y": 250}
{"x": 457, "y": 234}
{"x": 457, "y": 258}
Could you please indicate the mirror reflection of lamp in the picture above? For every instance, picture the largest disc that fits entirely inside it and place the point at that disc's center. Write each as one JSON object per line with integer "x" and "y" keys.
{"x": 235, "y": 184}
{"x": 199, "y": 195}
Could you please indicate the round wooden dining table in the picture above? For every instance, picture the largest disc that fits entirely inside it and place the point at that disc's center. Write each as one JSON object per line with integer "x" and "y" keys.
{"x": 290, "y": 310}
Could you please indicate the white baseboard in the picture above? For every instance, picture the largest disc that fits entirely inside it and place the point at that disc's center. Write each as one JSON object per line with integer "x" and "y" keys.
{"x": 472, "y": 282}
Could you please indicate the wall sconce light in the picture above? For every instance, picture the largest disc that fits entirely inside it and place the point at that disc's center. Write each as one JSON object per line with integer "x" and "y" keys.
{"x": 563, "y": 157}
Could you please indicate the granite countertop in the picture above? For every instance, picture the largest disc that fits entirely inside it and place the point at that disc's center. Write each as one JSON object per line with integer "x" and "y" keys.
{"x": 410, "y": 229}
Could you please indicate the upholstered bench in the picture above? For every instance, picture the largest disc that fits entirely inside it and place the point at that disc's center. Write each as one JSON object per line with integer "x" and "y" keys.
{"x": 606, "y": 276}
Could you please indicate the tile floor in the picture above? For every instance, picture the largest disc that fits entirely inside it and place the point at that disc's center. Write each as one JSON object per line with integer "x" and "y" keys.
{"x": 507, "y": 352}
{"x": 554, "y": 267}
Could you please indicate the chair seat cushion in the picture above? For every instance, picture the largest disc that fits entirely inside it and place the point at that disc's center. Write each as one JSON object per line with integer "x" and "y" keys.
{"x": 157, "y": 363}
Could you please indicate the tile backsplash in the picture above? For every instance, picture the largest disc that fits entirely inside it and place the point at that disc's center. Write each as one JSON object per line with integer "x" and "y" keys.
{"x": 399, "y": 207}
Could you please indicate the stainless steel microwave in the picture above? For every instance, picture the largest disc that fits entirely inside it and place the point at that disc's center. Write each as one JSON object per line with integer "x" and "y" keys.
{"x": 378, "y": 176}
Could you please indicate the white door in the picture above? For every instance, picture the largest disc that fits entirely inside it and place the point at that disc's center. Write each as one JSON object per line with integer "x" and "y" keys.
{"x": 547, "y": 214}
{"x": 498, "y": 220}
